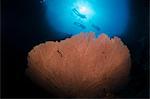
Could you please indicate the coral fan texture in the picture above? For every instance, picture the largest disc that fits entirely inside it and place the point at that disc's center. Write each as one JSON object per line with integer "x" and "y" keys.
{"x": 80, "y": 66}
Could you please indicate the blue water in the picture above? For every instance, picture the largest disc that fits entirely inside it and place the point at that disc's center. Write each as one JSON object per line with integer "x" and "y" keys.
{"x": 102, "y": 16}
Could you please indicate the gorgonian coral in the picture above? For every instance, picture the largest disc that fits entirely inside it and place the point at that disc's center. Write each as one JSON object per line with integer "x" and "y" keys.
{"x": 80, "y": 66}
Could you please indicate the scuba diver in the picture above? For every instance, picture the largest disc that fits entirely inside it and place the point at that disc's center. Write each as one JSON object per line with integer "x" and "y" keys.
{"x": 79, "y": 25}
{"x": 80, "y": 21}
{"x": 75, "y": 11}
{"x": 96, "y": 27}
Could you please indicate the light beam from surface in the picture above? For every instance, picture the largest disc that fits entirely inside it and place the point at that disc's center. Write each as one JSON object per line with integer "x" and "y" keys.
{"x": 85, "y": 8}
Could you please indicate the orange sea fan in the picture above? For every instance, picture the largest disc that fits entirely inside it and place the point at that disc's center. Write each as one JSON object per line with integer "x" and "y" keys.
{"x": 80, "y": 66}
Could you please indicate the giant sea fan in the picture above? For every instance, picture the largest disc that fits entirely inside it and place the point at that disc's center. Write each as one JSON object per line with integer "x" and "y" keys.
{"x": 80, "y": 66}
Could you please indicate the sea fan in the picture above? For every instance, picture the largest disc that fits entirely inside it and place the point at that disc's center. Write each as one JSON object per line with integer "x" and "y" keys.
{"x": 80, "y": 66}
